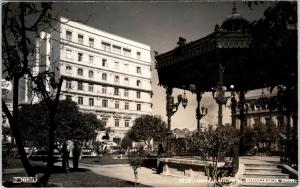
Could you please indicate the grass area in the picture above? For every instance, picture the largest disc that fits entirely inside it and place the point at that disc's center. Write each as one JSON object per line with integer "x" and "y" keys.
{"x": 80, "y": 178}
{"x": 104, "y": 160}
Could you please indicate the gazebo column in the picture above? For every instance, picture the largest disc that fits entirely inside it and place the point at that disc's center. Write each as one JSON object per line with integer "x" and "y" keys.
{"x": 235, "y": 148}
{"x": 169, "y": 107}
{"x": 243, "y": 120}
{"x": 199, "y": 114}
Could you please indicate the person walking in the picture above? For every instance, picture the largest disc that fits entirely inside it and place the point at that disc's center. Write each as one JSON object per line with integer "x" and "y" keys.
{"x": 65, "y": 157}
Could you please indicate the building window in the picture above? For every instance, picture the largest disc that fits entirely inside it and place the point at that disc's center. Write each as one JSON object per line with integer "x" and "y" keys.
{"x": 80, "y": 86}
{"x": 91, "y": 87}
{"x": 117, "y": 122}
{"x": 80, "y": 72}
{"x": 104, "y": 103}
{"x": 91, "y": 42}
{"x": 117, "y": 105}
{"x": 68, "y": 69}
{"x": 104, "y": 63}
{"x": 91, "y": 59}
{"x": 104, "y": 76}
{"x": 104, "y": 120}
{"x": 127, "y": 52}
{"x": 106, "y": 46}
{"x": 80, "y": 39}
{"x": 69, "y": 35}
{"x": 126, "y": 81}
{"x": 104, "y": 90}
{"x": 80, "y": 100}
{"x": 138, "y": 55}
{"x": 126, "y": 123}
{"x": 138, "y": 70}
{"x": 126, "y": 106}
{"x": 117, "y": 79}
{"x": 91, "y": 74}
{"x": 126, "y": 66}
{"x": 116, "y": 49}
{"x": 126, "y": 93}
{"x": 138, "y": 83}
{"x": 68, "y": 84}
{"x": 116, "y": 91}
{"x": 80, "y": 56}
{"x": 116, "y": 65}
{"x": 138, "y": 107}
{"x": 69, "y": 54}
{"x": 68, "y": 97}
{"x": 91, "y": 102}
{"x": 138, "y": 94}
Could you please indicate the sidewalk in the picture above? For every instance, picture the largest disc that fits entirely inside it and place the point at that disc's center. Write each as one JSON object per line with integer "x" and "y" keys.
{"x": 146, "y": 176}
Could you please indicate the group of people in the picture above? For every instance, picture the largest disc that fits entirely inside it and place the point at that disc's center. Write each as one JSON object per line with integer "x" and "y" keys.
{"x": 67, "y": 148}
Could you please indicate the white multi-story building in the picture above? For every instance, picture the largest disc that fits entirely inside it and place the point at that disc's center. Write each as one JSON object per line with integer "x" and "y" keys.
{"x": 104, "y": 73}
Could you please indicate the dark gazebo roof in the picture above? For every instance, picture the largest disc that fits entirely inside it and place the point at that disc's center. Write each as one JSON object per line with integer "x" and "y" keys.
{"x": 230, "y": 45}
{"x": 235, "y": 22}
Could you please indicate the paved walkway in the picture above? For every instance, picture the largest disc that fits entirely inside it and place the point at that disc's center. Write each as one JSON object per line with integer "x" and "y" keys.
{"x": 146, "y": 176}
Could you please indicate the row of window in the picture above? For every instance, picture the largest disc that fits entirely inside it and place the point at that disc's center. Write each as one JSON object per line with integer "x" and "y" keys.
{"x": 104, "y": 89}
{"x": 104, "y": 76}
{"x": 104, "y": 103}
{"x": 117, "y": 122}
{"x": 104, "y": 45}
{"x": 104, "y": 63}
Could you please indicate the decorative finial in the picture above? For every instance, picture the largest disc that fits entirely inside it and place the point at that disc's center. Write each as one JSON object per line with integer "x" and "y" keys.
{"x": 181, "y": 42}
{"x": 234, "y": 8}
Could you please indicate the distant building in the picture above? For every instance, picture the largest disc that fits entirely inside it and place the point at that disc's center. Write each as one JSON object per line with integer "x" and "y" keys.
{"x": 104, "y": 73}
{"x": 258, "y": 112}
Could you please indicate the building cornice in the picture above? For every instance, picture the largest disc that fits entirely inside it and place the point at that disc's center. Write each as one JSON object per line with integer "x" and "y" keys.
{"x": 113, "y": 35}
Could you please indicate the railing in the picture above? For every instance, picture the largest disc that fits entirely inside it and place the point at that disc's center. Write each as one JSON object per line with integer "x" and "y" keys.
{"x": 289, "y": 152}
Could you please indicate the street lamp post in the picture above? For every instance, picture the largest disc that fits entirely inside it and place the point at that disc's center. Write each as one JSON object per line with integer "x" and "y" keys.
{"x": 200, "y": 112}
{"x": 172, "y": 108}
{"x": 219, "y": 94}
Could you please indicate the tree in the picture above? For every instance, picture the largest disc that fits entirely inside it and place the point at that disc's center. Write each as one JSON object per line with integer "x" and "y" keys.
{"x": 71, "y": 124}
{"x": 126, "y": 142}
{"x": 146, "y": 128}
{"x": 22, "y": 22}
{"x": 213, "y": 144}
{"x": 136, "y": 158}
{"x": 275, "y": 44}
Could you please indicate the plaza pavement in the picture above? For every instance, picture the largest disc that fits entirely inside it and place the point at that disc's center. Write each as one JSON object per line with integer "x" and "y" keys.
{"x": 147, "y": 177}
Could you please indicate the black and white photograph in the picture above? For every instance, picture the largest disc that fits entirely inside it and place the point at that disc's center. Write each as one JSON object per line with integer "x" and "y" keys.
{"x": 149, "y": 93}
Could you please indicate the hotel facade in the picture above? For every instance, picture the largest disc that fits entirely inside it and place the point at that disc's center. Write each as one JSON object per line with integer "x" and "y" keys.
{"x": 104, "y": 73}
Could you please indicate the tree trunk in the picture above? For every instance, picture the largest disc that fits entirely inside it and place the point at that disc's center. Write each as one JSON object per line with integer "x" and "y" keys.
{"x": 52, "y": 106}
{"x": 13, "y": 121}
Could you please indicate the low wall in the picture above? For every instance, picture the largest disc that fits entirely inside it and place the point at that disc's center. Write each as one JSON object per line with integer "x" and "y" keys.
{"x": 183, "y": 167}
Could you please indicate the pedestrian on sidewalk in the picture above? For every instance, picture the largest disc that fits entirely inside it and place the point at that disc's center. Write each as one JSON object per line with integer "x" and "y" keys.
{"x": 65, "y": 157}
{"x": 159, "y": 155}
{"x": 76, "y": 155}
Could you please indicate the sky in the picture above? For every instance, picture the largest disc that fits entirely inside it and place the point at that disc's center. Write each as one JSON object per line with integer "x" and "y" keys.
{"x": 159, "y": 25}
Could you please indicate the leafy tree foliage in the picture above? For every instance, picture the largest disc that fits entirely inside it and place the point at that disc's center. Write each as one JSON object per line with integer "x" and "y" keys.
{"x": 71, "y": 123}
{"x": 261, "y": 133}
{"x": 136, "y": 157}
{"x": 275, "y": 41}
{"x": 126, "y": 142}
{"x": 148, "y": 127}
{"x": 213, "y": 145}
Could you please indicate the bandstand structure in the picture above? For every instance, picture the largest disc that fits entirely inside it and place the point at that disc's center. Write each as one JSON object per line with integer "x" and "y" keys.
{"x": 223, "y": 59}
